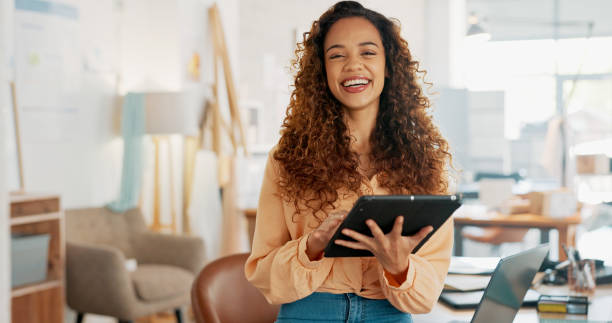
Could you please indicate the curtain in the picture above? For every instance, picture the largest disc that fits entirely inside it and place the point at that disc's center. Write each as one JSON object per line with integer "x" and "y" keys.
{"x": 132, "y": 127}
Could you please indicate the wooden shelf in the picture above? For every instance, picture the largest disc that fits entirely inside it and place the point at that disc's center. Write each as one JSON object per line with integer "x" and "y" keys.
{"x": 27, "y": 219}
{"x": 41, "y": 301}
{"x": 36, "y": 287}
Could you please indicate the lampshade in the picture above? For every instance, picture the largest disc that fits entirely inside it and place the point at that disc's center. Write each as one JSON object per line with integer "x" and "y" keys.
{"x": 172, "y": 113}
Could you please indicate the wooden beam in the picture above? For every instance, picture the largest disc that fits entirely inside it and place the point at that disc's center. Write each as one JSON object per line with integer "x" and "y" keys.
{"x": 221, "y": 51}
{"x": 17, "y": 136}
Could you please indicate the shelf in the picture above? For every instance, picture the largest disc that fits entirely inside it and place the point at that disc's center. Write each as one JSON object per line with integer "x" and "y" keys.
{"x": 36, "y": 287}
{"x": 17, "y": 197}
{"x": 42, "y": 301}
{"x": 27, "y": 219}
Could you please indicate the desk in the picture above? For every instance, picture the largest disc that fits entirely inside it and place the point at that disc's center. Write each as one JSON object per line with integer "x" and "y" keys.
{"x": 565, "y": 226}
{"x": 600, "y": 309}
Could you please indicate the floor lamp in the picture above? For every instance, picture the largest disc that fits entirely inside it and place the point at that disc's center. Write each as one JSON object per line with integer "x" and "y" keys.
{"x": 169, "y": 113}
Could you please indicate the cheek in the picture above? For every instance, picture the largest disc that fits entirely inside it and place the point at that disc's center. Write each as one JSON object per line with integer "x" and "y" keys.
{"x": 331, "y": 78}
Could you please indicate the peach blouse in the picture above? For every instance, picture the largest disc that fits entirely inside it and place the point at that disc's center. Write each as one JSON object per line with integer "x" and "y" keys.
{"x": 279, "y": 267}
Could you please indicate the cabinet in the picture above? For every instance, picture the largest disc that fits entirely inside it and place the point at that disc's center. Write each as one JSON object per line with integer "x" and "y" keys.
{"x": 42, "y": 301}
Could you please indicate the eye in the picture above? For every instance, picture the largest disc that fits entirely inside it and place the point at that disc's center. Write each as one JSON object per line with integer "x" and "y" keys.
{"x": 369, "y": 53}
{"x": 334, "y": 56}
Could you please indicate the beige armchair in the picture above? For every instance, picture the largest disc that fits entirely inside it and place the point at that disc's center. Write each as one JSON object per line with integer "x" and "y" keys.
{"x": 98, "y": 242}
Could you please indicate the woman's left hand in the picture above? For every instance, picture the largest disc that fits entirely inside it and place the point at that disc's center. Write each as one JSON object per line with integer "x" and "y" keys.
{"x": 391, "y": 249}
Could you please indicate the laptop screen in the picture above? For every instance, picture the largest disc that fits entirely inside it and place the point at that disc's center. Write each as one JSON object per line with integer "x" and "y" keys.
{"x": 504, "y": 295}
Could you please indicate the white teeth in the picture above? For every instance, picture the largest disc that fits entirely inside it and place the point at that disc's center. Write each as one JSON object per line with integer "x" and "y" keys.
{"x": 355, "y": 82}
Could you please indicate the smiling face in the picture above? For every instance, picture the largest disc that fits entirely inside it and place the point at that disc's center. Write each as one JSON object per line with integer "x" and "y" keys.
{"x": 355, "y": 63}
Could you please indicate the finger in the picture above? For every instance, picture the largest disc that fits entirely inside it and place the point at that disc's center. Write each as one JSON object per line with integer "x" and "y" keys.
{"x": 359, "y": 237}
{"x": 376, "y": 231}
{"x": 352, "y": 245}
{"x": 330, "y": 224}
{"x": 340, "y": 213}
{"x": 397, "y": 226}
{"x": 422, "y": 233}
{"x": 334, "y": 226}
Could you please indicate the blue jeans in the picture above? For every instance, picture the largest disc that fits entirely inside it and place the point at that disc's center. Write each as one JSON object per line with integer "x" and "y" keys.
{"x": 349, "y": 308}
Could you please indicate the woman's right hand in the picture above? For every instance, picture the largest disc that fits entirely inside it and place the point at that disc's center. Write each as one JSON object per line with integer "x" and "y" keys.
{"x": 319, "y": 237}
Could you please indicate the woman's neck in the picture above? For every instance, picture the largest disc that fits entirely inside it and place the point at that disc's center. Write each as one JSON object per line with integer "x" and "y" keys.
{"x": 360, "y": 124}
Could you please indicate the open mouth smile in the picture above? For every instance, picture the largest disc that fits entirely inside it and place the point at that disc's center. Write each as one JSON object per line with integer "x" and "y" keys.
{"x": 355, "y": 84}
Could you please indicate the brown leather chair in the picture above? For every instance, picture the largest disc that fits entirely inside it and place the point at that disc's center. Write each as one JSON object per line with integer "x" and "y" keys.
{"x": 221, "y": 294}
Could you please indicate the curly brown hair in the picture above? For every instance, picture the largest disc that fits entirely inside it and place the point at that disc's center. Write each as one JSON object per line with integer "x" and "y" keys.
{"x": 408, "y": 152}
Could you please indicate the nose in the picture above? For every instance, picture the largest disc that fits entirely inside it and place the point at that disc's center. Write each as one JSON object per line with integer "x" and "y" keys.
{"x": 353, "y": 64}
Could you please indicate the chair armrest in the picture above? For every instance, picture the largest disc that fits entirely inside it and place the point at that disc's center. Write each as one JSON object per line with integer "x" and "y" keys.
{"x": 97, "y": 280}
{"x": 183, "y": 251}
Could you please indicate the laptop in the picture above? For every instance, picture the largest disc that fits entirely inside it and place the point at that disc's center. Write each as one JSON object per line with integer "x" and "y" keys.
{"x": 504, "y": 295}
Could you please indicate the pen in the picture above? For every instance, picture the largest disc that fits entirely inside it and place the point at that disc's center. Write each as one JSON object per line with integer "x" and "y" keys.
{"x": 567, "y": 252}
{"x": 576, "y": 254}
{"x": 562, "y": 265}
{"x": 589, "y": 277}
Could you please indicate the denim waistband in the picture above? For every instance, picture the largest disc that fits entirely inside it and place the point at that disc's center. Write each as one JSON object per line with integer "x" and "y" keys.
{"x": 349, "y": 308}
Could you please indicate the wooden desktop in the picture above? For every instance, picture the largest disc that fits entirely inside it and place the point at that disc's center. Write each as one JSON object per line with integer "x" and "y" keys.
{"x": 565, "y": 226}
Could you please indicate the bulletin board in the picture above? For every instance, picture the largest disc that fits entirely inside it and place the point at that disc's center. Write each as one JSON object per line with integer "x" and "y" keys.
{"x": 48, "y": 69}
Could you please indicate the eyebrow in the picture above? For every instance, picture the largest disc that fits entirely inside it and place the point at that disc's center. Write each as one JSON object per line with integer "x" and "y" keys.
{"x": 360, "y": 44}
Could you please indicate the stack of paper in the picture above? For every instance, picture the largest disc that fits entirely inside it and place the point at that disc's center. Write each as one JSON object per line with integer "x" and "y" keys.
{"x": 466, "y": 283}
{"x": 473, "y": 265}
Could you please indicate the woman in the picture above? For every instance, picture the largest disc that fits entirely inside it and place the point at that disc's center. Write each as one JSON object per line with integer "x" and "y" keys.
{"x": 356, "y": 124}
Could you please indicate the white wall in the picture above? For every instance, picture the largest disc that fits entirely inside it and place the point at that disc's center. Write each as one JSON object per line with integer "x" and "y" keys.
{"x": 445, "y": 32}
{"x": 70, "y": 147}
{"x": 5, "y": 48}
{"x": 148, "y": 44}
{"x": 158, "y": 39}
{"x": 267, "y": 44}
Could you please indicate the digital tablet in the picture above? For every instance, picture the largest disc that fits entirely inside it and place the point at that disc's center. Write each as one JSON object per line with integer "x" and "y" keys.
{"x": 418, "y": 210}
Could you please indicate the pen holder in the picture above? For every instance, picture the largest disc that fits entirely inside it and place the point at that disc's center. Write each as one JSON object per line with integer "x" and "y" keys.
{"x": 581, "y": 276}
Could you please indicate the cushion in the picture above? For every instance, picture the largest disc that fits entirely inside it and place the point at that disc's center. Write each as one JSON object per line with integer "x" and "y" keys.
{"x": 100, "y": 225}
{"x": 157, "y": 282}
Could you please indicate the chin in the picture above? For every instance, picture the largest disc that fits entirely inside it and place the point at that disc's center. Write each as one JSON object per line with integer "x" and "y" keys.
{"x": 352, "y": 105}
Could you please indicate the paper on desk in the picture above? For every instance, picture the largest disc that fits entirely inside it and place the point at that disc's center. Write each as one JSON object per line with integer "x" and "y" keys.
{"x": 465, "y": 283}
{"x": 473, "y": 265}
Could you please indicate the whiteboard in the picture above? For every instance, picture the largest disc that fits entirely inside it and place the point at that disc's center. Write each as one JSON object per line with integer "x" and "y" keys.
{"x": 48, "y": 69}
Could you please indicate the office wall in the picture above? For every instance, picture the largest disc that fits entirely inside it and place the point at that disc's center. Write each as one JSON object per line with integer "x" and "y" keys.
{"x": 159, "y": 39}
{"x": 73, "y": 147}
{"x": 445, "y": 26}
{"x": 267, "y": 43}
{"x": 66, "y": 84}
{"x": 5, "y": 49}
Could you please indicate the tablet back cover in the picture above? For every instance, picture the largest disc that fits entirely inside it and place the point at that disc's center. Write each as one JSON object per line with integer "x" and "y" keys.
{"x": 418, "y": 211}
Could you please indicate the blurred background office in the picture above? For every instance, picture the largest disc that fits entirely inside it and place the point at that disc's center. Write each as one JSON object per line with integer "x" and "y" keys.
{"x": 521, "y": 89}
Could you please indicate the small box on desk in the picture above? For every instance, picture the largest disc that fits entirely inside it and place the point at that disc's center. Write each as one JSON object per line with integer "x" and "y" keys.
{"x": 593, "y": 164}
{"x": 558, "y": 203}
{"x": 28, "y": 258}
{"x": 563, "y": 304}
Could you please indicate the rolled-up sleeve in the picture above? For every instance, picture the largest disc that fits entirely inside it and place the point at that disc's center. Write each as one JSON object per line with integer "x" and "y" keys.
{"x": 425, "y": 276}
{"x": 278, "y": 265}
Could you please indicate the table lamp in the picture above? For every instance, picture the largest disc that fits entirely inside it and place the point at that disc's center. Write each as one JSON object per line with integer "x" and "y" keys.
{"x": 169, "y": 113}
